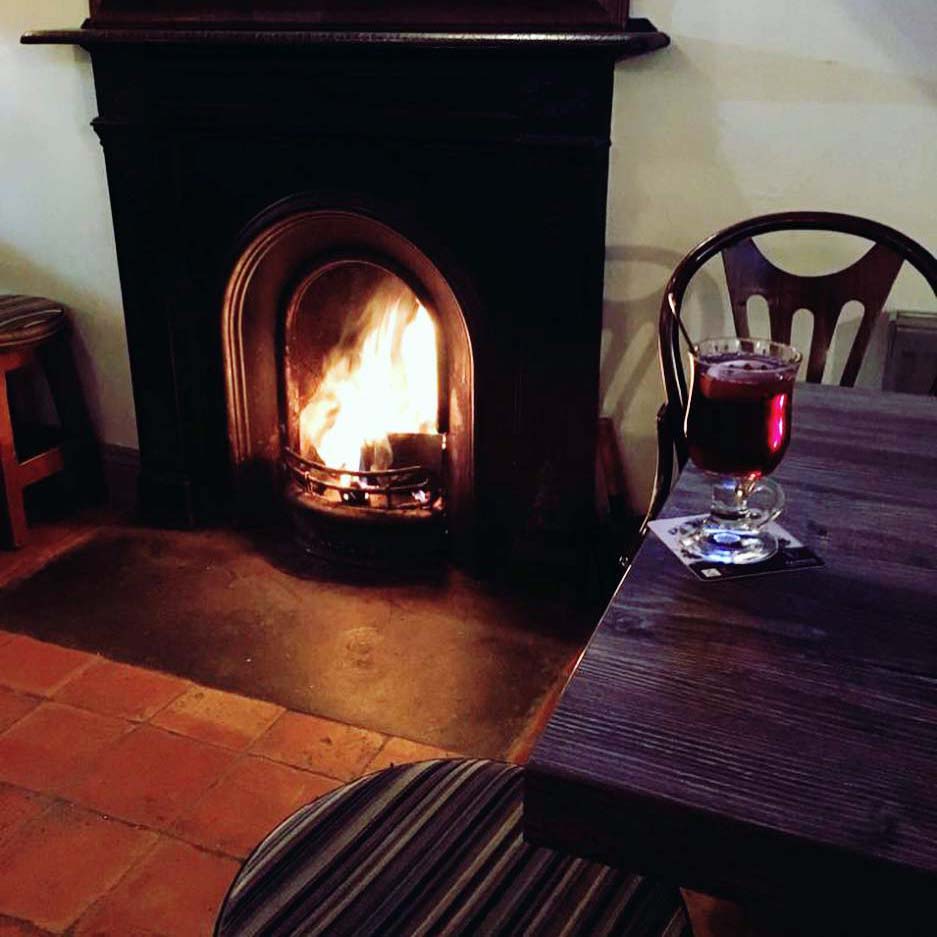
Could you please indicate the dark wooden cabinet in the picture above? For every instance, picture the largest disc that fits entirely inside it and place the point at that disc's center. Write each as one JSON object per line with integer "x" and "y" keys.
{"x": 412, "y": 14}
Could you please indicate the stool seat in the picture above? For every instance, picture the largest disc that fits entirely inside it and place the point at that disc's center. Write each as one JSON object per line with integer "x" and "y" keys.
{"x": 434, "y": 849}
{"x": 26, "y": 320}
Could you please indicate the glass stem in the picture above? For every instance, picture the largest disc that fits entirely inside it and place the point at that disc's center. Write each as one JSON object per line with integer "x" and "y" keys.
{"x": 743, "y": 490}
{"x": 730, "y": 499}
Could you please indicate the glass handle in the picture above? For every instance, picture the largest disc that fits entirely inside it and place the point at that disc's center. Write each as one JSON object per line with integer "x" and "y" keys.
{"x": 765, "y": 502}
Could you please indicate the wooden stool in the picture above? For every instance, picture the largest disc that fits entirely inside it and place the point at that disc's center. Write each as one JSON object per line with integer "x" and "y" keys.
{"x": 33, "y": 329}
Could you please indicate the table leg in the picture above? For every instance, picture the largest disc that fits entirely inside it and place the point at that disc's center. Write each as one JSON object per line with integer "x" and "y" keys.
{"x": 714, "y": 917}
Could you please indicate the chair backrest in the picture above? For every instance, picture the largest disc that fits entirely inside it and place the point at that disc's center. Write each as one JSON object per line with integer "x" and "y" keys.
{"x": 749, "y": 273}
{"x": 868, "y": 281}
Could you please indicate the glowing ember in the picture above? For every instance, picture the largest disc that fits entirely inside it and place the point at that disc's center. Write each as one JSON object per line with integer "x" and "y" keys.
{"x": 380, "y": 379}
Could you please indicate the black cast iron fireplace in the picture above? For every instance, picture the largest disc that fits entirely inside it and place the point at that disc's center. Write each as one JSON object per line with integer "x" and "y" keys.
{"x": 277, "y": 174}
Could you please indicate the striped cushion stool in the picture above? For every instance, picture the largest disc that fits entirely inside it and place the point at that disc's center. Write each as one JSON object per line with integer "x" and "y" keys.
{"x": 433, "y": 849}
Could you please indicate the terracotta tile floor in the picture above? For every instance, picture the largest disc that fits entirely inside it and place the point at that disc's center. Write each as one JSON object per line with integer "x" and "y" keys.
{"x": 129, "y": 798}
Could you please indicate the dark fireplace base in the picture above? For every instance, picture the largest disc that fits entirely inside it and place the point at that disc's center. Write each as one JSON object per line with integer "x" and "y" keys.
{"x": 367, "y": 538}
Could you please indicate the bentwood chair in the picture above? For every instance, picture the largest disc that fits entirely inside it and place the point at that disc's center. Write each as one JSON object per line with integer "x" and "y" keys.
{"x": 434, "y": 849}
{"x": 749, "y": 273}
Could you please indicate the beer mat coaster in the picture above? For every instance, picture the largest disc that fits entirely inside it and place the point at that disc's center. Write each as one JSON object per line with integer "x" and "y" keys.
{"x": 791, "y": 555}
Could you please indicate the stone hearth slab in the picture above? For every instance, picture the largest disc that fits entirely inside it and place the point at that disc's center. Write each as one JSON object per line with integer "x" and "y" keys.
{"x": 445, "y": 660}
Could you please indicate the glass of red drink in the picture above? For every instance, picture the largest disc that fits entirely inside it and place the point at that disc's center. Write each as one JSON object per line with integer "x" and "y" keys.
{"x": 738, "y": 425}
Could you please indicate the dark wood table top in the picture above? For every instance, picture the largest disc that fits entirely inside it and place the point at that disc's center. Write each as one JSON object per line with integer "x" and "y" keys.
{"x": 772, "y": 738}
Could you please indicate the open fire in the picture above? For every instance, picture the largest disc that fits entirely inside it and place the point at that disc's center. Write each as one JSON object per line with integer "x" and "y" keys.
{"x": 367, "y": 407}
{"x": 381, "y": 379}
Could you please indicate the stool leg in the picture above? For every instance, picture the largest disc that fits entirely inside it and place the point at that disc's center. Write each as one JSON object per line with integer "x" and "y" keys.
{"x": 84, "y": 457}
{"x": 15, "y": 512}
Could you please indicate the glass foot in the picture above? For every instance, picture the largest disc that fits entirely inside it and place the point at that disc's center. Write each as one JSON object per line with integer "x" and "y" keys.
{"x": 709, "y": 540}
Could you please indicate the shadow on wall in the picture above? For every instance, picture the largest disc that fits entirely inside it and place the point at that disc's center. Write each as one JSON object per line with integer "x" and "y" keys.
{"x": 670, "y": 186}
{"x": 20, "y": 274}
{"x": 630, "y": 364}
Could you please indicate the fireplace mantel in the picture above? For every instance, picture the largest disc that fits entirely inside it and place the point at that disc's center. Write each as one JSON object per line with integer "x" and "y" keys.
{"x": 639, "y": 37}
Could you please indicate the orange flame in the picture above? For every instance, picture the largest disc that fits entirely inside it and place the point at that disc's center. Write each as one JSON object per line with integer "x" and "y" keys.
{"x": 380, "y": 379}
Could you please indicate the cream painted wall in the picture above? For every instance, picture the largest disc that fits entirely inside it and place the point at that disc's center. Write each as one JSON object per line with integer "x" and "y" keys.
{"x": 56, "y": 237}
{"x": 758, "y": 106}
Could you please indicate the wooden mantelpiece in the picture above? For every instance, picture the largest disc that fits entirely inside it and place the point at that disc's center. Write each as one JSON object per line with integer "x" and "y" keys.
{"x": 487, "y": 147}
{"x": 410, "y": 14}
{"x": 639, "y": 38}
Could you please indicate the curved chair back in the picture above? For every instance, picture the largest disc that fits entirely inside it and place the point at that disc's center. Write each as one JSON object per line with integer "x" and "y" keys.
{"x": 749, "y": 273}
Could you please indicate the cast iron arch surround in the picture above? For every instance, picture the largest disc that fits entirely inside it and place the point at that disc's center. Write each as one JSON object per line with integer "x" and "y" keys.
{"x": 282, "y": 245}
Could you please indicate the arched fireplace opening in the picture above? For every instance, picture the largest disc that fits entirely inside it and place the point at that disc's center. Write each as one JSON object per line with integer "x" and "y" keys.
{"x": 349, "y": 378}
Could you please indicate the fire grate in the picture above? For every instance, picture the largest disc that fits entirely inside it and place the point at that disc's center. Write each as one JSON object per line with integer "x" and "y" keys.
{"x": 393, "y": 517}
{"x": 406, "y": 489}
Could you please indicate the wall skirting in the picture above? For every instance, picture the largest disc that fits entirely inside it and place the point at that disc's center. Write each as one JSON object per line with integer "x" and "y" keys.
{"x": 121, "y": 474}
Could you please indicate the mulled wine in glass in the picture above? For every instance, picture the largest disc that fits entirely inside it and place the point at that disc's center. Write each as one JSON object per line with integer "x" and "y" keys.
{"x": 738, "y": 425}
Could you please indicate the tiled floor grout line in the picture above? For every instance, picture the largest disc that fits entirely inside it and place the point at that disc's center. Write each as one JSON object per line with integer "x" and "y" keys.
{"x": 144, "y": 855}
{"x": 52, "y": 799}
{"x": 60, "y": 797}
{"x": 242, "y": 756}
{"x": 64, "y": 682}
{"x": 287, "y": 764}
{"x": 149, "y": 719}
{"x": 191, "y": 738}
{"x": 192, "y": 685}
{"x": 251, "y": 749}
{"x": 404, "y": 738}
{"x": 39, "y": 701}
{"x": 57, "y": 800}
{"x": 188, "y": 684}
{"x": 75, "y": 674}
{"x": 255, "y": 742}
{"x": 201, "y": 797}
{"x": 377, "y": 754}
{"x": 80, "y": 774}
{"x": 32, "y": 927}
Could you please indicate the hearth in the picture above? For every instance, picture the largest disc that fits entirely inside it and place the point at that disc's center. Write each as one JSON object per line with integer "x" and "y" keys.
{"x": 290, "y": 192}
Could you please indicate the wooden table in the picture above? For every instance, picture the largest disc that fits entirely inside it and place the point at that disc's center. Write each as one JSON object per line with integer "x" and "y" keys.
{"x": 774, "y": 739}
